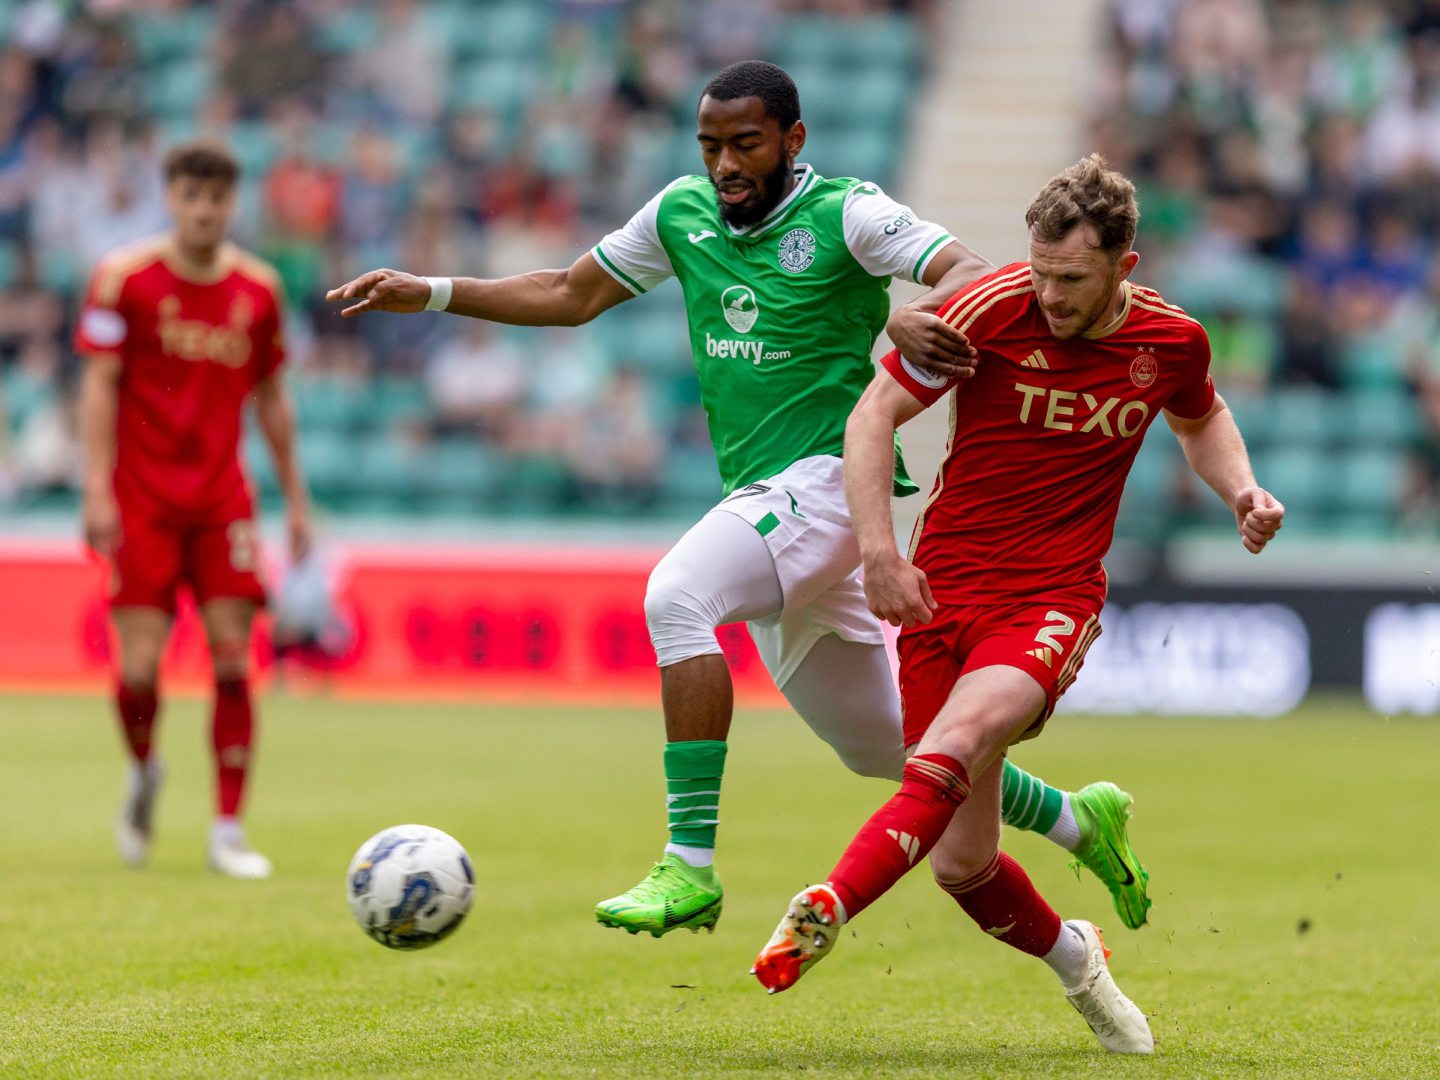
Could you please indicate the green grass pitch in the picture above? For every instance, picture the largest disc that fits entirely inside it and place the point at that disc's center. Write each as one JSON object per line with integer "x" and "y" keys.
{"x": 1294, "y": 931}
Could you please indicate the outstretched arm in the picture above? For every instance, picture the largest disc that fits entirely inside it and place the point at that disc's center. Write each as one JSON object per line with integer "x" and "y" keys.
{"x": 895, "y": 590}
{"x": 540, "y": 298}
{"x": 1216, "y": 453}
{"x": 927, "y": 341}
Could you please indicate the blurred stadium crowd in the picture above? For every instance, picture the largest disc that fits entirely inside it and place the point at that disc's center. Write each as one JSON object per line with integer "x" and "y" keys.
{"x": 475, "y": 137}
{"x": 1288, "y": 157}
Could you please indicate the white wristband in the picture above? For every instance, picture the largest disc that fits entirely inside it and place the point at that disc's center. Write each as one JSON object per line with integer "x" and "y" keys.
{"x": 440, "y": 290}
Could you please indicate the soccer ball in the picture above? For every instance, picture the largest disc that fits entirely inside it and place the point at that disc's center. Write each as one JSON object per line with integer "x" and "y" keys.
{"x": 410, "y": 886}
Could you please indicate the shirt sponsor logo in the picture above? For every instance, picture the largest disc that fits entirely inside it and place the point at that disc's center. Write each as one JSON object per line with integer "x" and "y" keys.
{"x": 797, "y": 250}
{"x": 103, "y": 327}
{"x": 1065, "y": 410}
{"x": 1144, "y": 369}
{"x": 754, "y": 351}
{"x": 196, "y": 340}
{"x": 740, "y": 308}
{"x": 904, "y": 221}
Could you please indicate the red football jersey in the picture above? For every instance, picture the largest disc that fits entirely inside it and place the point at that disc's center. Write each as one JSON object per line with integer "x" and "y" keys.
{"x": 192, "y": 346}
{"x": 1043, "y": 436}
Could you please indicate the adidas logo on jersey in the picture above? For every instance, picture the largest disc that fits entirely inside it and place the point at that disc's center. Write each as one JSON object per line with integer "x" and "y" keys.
{"x": 908, "y": 844}
{"x": 1044, "y": 654}
{"x": 1036, "y": 360}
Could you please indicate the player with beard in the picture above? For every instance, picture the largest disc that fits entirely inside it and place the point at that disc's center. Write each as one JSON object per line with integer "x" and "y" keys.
{"x": 1001, "y": 595}
{"x": 785, "y": 275}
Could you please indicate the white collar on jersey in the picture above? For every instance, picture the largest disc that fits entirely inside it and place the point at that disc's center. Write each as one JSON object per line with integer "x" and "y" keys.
{"x": 805, "y": 178}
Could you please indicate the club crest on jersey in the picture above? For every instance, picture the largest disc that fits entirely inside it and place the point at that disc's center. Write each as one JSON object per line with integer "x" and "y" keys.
{"x": 797, "y": 250}
{"x": 1144, "y": 369}
{"x": 740, "y": 308}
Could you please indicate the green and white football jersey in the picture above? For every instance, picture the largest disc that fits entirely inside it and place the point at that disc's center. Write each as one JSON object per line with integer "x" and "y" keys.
{"x": 784, "y": 313}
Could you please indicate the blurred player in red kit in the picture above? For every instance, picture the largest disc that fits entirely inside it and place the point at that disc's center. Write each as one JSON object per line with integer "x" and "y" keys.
{"x": 1002, "y": 591}
{"x": 178, "y": 332}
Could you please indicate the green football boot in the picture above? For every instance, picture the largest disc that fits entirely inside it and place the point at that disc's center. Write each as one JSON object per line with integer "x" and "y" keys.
{"x": 673, "y": 894}
{"x": 1101, "y": 811}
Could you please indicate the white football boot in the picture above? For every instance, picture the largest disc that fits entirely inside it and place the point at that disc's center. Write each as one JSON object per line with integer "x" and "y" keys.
{"x": 134, "y": 825}
{"x": 805, "y": 935}
{"x": 1119, "y": 1025}
{"x": 231, "y": 854}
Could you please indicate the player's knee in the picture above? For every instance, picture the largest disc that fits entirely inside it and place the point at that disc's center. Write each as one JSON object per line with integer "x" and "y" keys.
{"x": 681, "y": 623}
{"x": 867, "y": 759}
{"x": 953, "y": 866}
{"x": 140, "y": 678}
{"x": 230, "y": 658}
{"x": 140, "y": 665}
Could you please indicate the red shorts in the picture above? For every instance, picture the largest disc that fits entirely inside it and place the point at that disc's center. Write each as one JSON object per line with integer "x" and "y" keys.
{"x": 217, "y": 557}
{"x": 1045, "y": 639}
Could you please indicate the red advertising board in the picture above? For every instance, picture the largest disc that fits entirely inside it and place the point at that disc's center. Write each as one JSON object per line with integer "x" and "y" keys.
{"x": 558, "y": 622}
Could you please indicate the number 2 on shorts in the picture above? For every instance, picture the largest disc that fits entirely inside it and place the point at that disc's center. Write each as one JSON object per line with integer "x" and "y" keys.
{"x": 1057, "y": 625}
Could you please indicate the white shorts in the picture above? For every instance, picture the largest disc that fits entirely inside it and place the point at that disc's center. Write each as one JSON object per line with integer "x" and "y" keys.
{"x": 801, "y": 514}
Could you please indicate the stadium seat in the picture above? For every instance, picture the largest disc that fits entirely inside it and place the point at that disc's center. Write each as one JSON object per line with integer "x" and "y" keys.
{"x": 885, "y": 43}
{"x": 331, "y": 404}
{"x": 501, "y": 87}
{"x": 1369, "y": 483}
{"x": 328, "y": 461}
{"x": 1372, "y": 362}
{"x": 1303, "y": 416}
{"x": 176, "y": 88}
{"x": 516, "y": 29}
{"x": 9, "y": 262}
{"x": 395, "y": 399}
{"x": 1300, "y": 477}
{"x": 531, "y": 485}
{"x": 804, "y": 40}
{"x": 172, "y": 36}
{"x": 253, "y": 143}
{"x": 689, "y": 482}
{"x": 1380, "y": 416}
{"x": 458, "y": 473}
{"x": 877, "y": 98}
{"x": 346, "y": 31}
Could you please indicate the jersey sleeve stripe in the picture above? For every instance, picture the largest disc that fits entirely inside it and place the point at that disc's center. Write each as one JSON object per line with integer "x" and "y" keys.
{"x": 1148, "y": 295}
{"x": 977, "y": 312}
{"x": 1167, "y": 310}
{"x": 1004, "y": 281}
{"x": 929, "y": 253}
{"x": 618, "y": 274}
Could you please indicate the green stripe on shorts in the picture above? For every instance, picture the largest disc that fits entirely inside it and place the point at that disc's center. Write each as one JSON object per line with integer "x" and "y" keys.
{"x": 766, "y": 525}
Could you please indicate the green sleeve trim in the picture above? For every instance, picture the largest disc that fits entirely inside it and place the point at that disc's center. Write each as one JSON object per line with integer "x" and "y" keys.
{"x": 620, "y": 275}
{"x": 928, "y": 255}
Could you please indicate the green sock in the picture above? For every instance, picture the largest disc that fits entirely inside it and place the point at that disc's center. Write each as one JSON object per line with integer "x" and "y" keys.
{"x": 692, "y": 790}
{"x": 1027, "y": 802}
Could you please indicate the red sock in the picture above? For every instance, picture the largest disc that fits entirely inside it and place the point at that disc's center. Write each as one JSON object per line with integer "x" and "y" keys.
{"x": 231, "y": 730}
{"x": 901, "y": 832}
{"x": 136, "y": 709}
{"x": 1005, "y": 904}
